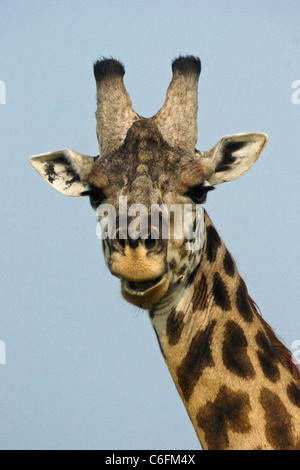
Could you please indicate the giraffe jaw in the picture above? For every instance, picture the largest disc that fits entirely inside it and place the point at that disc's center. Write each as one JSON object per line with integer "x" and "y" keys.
{"x": 145, "y": 294}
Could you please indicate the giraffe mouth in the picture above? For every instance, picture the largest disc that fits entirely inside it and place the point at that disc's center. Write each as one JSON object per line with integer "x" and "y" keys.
{"x": 145, "y": 294}
{"x": 143, "y": 286}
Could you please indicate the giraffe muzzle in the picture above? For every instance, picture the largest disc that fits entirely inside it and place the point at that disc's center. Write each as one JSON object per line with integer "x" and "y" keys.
{"x": 145, "y": 294}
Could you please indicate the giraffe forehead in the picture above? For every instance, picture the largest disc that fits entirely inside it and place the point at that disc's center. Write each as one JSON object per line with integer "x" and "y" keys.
{"x": 142, "y": 189}
{"x": 146, "y": 163}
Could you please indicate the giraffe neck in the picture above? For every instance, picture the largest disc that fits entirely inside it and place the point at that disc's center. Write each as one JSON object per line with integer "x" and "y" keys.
{"x": 235, "y": 378}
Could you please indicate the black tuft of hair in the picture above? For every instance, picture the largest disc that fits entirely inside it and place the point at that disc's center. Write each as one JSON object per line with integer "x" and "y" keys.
{"x": 108, "y": 68}
{"x": 187, "y": 64}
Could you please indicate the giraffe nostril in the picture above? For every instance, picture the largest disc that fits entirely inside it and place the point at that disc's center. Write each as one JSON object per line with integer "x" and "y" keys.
{"x": 121, "y": 242}
{"x": 150, "y": 243}
{"x": 121, "y": 239}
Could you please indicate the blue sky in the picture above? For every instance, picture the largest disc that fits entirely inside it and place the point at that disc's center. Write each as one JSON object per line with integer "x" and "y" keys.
{"x": 83, "y": 369}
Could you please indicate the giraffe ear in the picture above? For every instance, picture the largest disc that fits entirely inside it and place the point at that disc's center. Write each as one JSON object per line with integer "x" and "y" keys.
{"x": 234, "y": 155}
{"x": 62, "y": 170}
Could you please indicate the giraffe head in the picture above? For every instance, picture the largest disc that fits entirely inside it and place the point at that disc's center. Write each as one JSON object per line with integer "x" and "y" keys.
{"x": 149, "y": 183}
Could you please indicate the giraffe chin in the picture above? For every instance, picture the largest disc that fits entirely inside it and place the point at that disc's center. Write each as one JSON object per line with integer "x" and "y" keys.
{"x": 145, "y": 294}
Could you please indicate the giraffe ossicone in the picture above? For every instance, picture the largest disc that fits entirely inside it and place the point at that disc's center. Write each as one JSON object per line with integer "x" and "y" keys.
{"x": 238, "y": 382}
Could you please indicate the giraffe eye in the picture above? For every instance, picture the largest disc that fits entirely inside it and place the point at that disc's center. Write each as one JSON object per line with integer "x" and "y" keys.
{"x": 96, "y": 196}
{"x": 198, "y": 193}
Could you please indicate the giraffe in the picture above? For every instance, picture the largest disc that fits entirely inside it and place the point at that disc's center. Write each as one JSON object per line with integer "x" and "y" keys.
{"x": 236, "y": 379}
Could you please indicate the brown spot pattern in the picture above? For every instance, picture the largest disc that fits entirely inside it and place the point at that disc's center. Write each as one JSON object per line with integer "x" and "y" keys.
{"x": 213, "y": 243}
{"x": 198, "y": 357}
{"x": 278, "y": 421}
{"x": 199, "y": 298}
{"x": 234, "y": 351}
{"x": 174, "y": 326}
{"x": 293, "y": 391}
{"x": 229, "y": 411}
{"x": 172, "y": 263}
{"x": 228, "y": 264}
{"x": 242, "y": 302}
{"x": 282, "y": 351}
{"x": 192, "y": 276}
{"x": 268, "y": 357}
{"x": 50, "y": 172}
{"x": 220, "y": 293}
